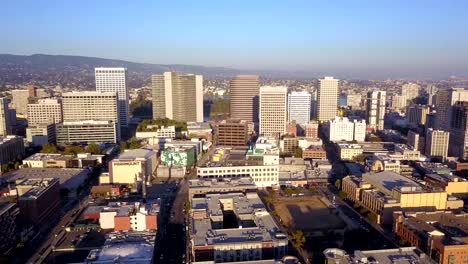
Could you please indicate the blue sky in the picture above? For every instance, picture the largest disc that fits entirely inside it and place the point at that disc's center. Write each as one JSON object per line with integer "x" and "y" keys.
{"x": 337, "y": 36}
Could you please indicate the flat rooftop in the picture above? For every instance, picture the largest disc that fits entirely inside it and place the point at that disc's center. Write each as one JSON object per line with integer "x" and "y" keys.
{"x": 69, "y": 178}
{"x": 133, "y": 154}
{"x": 406, "y": 255}
{"x": 221, "y": 182}
{"x": 386, "y": 181}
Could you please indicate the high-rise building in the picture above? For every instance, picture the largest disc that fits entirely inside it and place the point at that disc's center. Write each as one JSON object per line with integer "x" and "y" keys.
{"x": 114, "y": 80}
{"x": 178, "y": 96}
{"x": 273, "y": 103}
{"x": 45, "y": 111}
{"x": 20, "y": 100}
{"x": 416, "y": 141}
{"x": 437, "y": 142}
{"x": 459, "y": 131}
{"x": 375, "y": 109}
{"x": 431, "y": 91}
{"x": 445, "y": 99}
{"x": 399, "y": 102}
{"x": 244, "y": 91}
{"x": 233, "y": 132}
{"x": 86, "y": 132}
{"x": 11, "y": 148}
{"x": 40, "y": 134}
{"x": 410, "y": 90}
{"x": 327, "y": 99}
{"x": 416, "y": 114}
{"x": 354, "y": 101}
{"x": 299, "y": 107}
{"x": 5, "y": 126}
{"x": 97, "y": 106}
{"x": 431, "y": 120}
{"x": 342, "y": 129}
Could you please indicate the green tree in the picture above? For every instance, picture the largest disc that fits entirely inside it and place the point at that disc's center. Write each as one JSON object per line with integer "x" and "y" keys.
{"x": 298, "y": 152}
{"x": 134, "y": 144}
{"x": 288, "y": 191}
{"x": 268, "y": 200}
{"x": 298, "y": 238}
{"x": 188, "y": 206}
{"x": 312, "y": 189}
{"x": 123, "y": 146}
{"x": 73, "y": 150}
{"x": 49, "y": 148}
{"x": 93, "y": 148}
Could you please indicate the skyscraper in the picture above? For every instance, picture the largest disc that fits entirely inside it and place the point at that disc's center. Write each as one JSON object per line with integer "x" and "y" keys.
{"x": 273, "y": 103}
{"x": 410, "y": 90}
{"x": 375, "y": 109}
{"x": 327, "y": 99}
{"x": 299, "y": 107}
{"x": 5, "y": 128}
{"x": 437, "y": 142}
{"x": 20, "y": 100}
{"x": 45, "y": 111}
{"x": 115, "y": 80}
{"x": 416, "y": 114}
{"x": 445, "y": 99}
{"x": 178, "y": 96}
{"x": 244, "y": 91}
{"x": 459, "y": 131}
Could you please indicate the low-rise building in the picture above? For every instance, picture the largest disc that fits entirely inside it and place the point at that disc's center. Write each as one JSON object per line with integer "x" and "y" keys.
{"x": 55, "y": 160}
{"x": 153, "y": 132}
{"x": 87, "y": 132}
{"x": 132, "y": 167}
{"x": 8, "y": 228}
{"x": 209, "y": 186}
{"x": 311, "y": 129}
{"x": 128, "y": 216}
{"x": 442, "y": 235}
{"x": 183, "y": 157}
{"x": 384, "y": 162}
{"x": 408, "y": 153}
{"x": 40, "y": 134}
{"x": 234, "y": 227}
{"x": 11, "y": 148}
{"x": 233, "y": 132}
{"x": 201, "y": 130}
{"x": 452, "y": 184}
{"x": 349, "y": 151}
{"x": 383, "y": 256}
{"x": 314, "y": 152}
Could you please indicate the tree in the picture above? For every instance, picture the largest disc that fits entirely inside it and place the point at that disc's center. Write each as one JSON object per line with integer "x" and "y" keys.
{"x": 312, "y": 189}
{"x": 49, "y": 148}
{"x": 93, "y": 148}
{"x": 298, "y": 152}
{"x": 298, "y": 238}
{"x": 123, "y": 146}
{"x": 288, "y": 191}
{"x": 268, "y": 200}
{"x": 73, "y": 150}
{"x": 271, "y": 192}
{"x": 338, "y": 184}
{"x": 134, "y": 144}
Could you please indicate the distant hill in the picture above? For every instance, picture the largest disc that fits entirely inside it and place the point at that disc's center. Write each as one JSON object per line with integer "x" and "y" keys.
{"x": 78, "y": 71}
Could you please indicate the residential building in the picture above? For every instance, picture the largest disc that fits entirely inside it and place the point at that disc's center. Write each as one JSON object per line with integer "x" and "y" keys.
{"x": 40, "y": 134}
{"x": 416, "y": 141}
{"x": 273, "y": 117}
{"x": 288, "y": 145}
{"x": 410, "y": 90}
{"x": 114, "y": 80}
{"x": 375, "y": 109}
{"x": 291, "y": 128}
{"x": 431, "y": 91}
{"x": 399, "y": 102}
{"x": 445, "y": 99}
{"x": 437, "y": 142}
{"x": 124, "y": 217}
{"x": 416, "y": 114}
{"x": 327, "y": 99}
{"x": 133, "y": 166}
{"x": 87, "y": 132}
{"x": 253, "y": 236}
{"x": 442, "y": 235}
{"x": 232, "y": 132}
{"x": 11, "y": 148}
{"x": 311, "y": 129}
{"x": 19, "y": 101}
{"x": 8, "y": 227}
{"x": 299, "y": 107}
{"x": 45, "y": 111}
{"x": 244, "y": 95}
{"x": 354, "y": 101}
{"x": 459, "y": 131}
{"x": 178, "y": 96}
{"x": 342, "y": 129}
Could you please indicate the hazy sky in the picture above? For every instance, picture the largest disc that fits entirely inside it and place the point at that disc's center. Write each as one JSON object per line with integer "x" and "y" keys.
{"x": 348, "y": 35}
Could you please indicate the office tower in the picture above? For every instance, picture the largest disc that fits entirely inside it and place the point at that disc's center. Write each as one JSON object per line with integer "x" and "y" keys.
{"x": 327, "y": 99}
{"x": 342, "y": 129}
{"x": 178, "y": 96}
{"x": 416, "y": 141}
{"x": 431, "y": 91}
{"x": 87, "y": 131}
{"x": 459, "y": 131}
{"x": 20, "y": 100}
{"x": 313, "y": 106}
{"x": 410, "y": 90}
{"x": 114, "y": 80}
{"x": 40, "y": 134}
{"x": 11, "y": 147}
{"x": 431, "y": 120}
{"x": 244, "y": 91}
{"x": 399, "y": 102}
{"x": 445, "y": 99}
{"x": 437, "y": 142}
{"x": 233, "y": 132}
{"x": 299, "y": 107}
{"x": 311, "y": 129}
{"x": 5, "y": 126}
{"x": 375, "y": 109}
{"x": 416, "y": 114}
{"x": 354, "y": 101}
{"x": 273, "y": 103}
{"x": 45, "y": 111}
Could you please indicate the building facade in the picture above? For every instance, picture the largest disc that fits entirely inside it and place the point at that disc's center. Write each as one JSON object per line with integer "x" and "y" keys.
{"x": 86, "y": 132}
{"x": 273, "y": 117}
{"x": 375, "y": 109}
{"x": 459, "y": 131}
{"x": 299, "y": 107}
{"x": 178, "y": 96}
{"x": 114, "y": 80}
{"x": 5, "y": 126}
{"x": 327, "y": 99}
{"x": 416, "y": 114}
{"x": 437, "y": 142}
{"x": 245, "y": 91}
{"x": 445, "y": 99}
{"x": 232, "y": 132}
{"x": 342, "y": 129}
{"x": 11, "y": 148}
{"x": 45, "y": 111}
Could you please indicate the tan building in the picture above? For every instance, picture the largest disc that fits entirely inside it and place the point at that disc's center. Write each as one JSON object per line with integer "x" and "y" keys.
{"x": 178, "y": 96}
{"x": 132, "y": 167}
{"x": 314, "y": 152}
{"x": 19, "y": 101}
{"x": 416, "y": 141}
{"x": 384, "y": 162}
{"x": 87, "y": 132}
{"x": 442, "y": 235}
{"x": 45, "y": 111}
{"x": 399, "y": 102}
{"x": 97, "y": 106}
{"x": 452, "y": 184}
{"x": 40, "y": 134}
{"x": 244, "y": 91}
{"x": 273, "y": 116}
{"x": 349, "y": 151}
{"x": 327, "y": 99}
{"x": 437, "y": 142}
{"x": 233, "y": 132}
{"x": 416, "y": 114}
{"x": 353, "y": 187}
{"x": 311, "y": 129}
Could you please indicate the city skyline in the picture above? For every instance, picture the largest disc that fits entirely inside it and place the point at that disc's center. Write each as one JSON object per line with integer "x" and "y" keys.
{"x": 396, "y": 39}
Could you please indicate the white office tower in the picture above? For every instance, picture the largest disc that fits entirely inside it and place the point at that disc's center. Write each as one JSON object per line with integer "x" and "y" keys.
{"x": 354, "y": 101}
{"x": 445, "y": 100}
{"x": 299, "y": 107}
{"x": 399, "y": 102}
{"x": 45, "y": 111}
{"x": 431, "y": 91}
{"x": 178, "y": 96}
{"x": 342, "y": 129}
{"x": 437, "y": 142}
{"x": 327, "y": 99}
{"x": 410, "y": 90}
{"x": 115, "y": 80}
{"x": 375, "y": 109}
{"x": 273, "y": 103}
{"x": 5, "y": 128}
